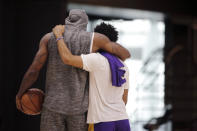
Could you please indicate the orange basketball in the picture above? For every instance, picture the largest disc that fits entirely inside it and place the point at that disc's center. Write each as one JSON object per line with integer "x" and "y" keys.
{"x": 31, "y": 101}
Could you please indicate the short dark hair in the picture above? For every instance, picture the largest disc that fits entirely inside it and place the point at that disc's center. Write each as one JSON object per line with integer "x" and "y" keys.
{"x": 108, "y": 30}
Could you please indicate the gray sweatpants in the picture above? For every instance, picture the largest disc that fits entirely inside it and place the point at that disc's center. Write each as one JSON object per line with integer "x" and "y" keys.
{"x": 53, "y": 121}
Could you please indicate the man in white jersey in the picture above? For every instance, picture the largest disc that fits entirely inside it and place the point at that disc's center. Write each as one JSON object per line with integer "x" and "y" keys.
{"x": 106, "y": 101}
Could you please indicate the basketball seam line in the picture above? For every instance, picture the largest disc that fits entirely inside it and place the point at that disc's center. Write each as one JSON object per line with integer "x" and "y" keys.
{"x": 28, "y": 108}
{"x": 33, "y": 103}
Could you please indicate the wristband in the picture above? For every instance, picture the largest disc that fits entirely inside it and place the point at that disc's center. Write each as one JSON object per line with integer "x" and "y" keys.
{"x": 59, "y": 38}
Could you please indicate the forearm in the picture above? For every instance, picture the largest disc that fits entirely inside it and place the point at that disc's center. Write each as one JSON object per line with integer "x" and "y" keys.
{"x": 102, "y": 42}
{"x": 67, "y": 57}
{"x": 120, "y": 51}
{"x": 29, "y": 78}
{"x": 64, "y": 52}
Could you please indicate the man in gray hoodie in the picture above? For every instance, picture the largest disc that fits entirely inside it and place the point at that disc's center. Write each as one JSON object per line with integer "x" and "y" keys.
{"x": 66, "y": 96}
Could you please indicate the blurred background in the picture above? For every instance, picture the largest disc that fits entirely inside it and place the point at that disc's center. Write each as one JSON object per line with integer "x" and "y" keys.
{"x": 161, "y": 36}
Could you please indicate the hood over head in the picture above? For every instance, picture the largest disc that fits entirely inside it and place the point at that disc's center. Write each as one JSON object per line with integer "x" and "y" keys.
{"x": 77, "y": 19}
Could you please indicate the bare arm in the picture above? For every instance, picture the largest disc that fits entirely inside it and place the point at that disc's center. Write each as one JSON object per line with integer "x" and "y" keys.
{"x": 102, "y": 42}
{"x": 67, "y": 56}
{"x": 64, "y": 52}
{"x": 125, "y": 96}
{"x": 33, "y": 72}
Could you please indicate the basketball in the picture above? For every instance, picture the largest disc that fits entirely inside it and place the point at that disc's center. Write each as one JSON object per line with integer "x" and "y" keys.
{"x": 31, "y": 101}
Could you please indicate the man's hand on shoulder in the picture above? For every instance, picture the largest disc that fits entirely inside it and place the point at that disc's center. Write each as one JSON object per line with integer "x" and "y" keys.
{"x": 58, "y": 30}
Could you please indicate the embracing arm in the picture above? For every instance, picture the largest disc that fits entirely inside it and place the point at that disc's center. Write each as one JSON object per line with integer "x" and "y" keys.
{"x": 33, "y": 72}
{"x": 102, "y": 42}
{"x": 66, "y": 56}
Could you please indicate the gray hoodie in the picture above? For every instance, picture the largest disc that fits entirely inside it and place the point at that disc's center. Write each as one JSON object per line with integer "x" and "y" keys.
{"x": 66, "y": 86}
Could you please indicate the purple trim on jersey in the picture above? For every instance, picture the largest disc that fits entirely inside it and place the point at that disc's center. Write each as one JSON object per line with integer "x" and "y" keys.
{"x": 115, "y": 66}
{"x": 121, "y": 125}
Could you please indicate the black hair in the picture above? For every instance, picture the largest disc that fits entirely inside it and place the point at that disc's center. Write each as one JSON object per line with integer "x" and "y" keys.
{"x": 108, "y": 30}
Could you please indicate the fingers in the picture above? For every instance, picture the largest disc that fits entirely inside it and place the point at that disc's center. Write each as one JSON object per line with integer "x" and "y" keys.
{"x": 58, "y": 30}
{"x": 18, "y": 104}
